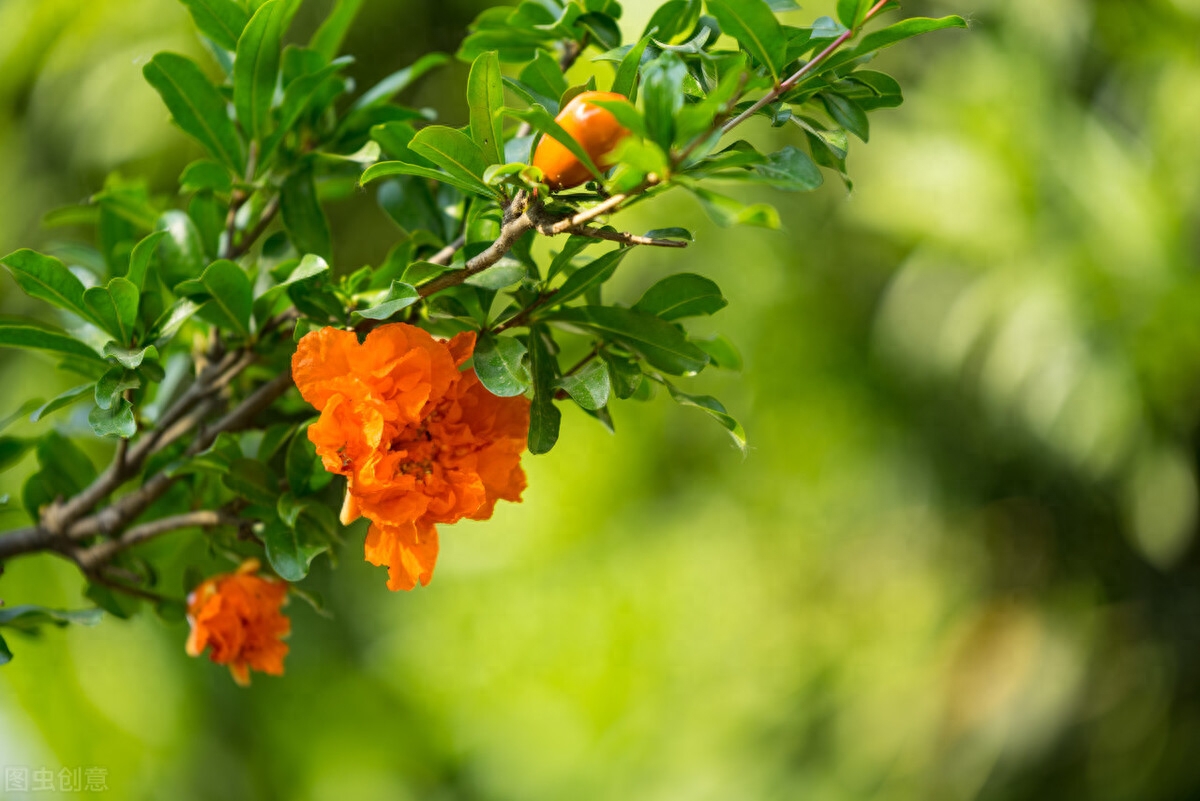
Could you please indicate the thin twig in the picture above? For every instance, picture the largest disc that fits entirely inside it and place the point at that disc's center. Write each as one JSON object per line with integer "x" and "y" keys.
{"x": 625, "y": 237}
{"x": 264, "y": 221}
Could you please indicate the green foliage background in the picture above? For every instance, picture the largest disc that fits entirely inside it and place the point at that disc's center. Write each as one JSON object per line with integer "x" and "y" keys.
{"x": 958, "y": 563}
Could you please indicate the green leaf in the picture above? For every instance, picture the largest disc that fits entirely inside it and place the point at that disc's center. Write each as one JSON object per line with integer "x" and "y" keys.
{"x": 181, "y": 252}
{"x": 297, "y": 97}
{"x": 387, "y": 168}
{"x": 399, "y": 296}
{"x": 289, "y": 552}
{"x": 625, "y": 373}
{"x": 114, "y": 307}
{"x": 132, "y": 358}
{"x": 886, "y": 37}
{"x": 22, "y": 410}
{"x": 140, "y": 258}
{"x": 683, "y": 295}
{"x": 205, "y": 174}
{"x": 500, "y": 365}
{"x": 39, "y": 337}
{"x": 756, "y": 29}
{"x": 252, "y": 480}
{"x": 46, "y": 278}
{"x": 662, "y": 96}
{"x": 544, "y": 416}
{"x": 714, "y": 409}
{"x": 848, "y": 114}
{"x": 115, "y": 422}
{"x": 673, "y": 20}
{"x": 589, "y": 276}
{"x": 573, "y": 247}
{"x": 544, "y": 76}
{"x": 196, "y": 106}
{"x": 726, "y": 211}
{"x": 229, "y": 295}
{"x": 851, "y": 12}
{"x": 303, "y": 217}
{"x": 305, "y": 471}
{"x": 503, "y": 274}
{"x": 65, "y": 399}
{"x": 310, "y": 267}
{"x": 453, "y": 151}
{"x": 6, "y": 654}
{"x": 485, "y": 98}
{"x": 657, "y": 341}
{"x": 626, "y": 80}
{"x": 112, "y": 384}
{"x": 590, "y": 387}
{"x": 537, "y": 116}
{"x": 219, "y": 20}
{"x": 790, "y": 169}
{"x": 256, "y": 68}
{"x": 328, "y": 38}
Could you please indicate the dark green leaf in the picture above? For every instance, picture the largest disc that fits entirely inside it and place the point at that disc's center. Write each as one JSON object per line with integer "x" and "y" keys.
{"x": 848, "y": 113}
{"x": 683, "y": 295}
{"x": 256, "y": 68}
{"x": 544, "y": 416}
{"x": 205, "y": 174}
{"x": 662, "y": 96}
{"x": 851, "y": 12}
{"x": 590, "y": 387}
{"x": 790, "y": 169}
{"x": 181, "y": 252}
{"x": 302, "y": 214}
{"x": 39, "y": 337}
{"x": 12, "y": 449}
{"x": 625, "y": 373}
{"x": 305, "y": 471}
{"x": 112, "y": 384}
{"x": 658, "y": 342}
{"x": 229, "y": 297}
{"x": 673, "y": 20}
{"x": 290, "y": 553}
{"x": 485, "y": 98}
{"x": 140, "y": 258}
{"x": 500, "y": 365}
{"x": 753, "y": 24}
{"x": 219, "y": 20}
{"x": 626, "y": 80}
{"x": 453, "y": 151}
{"x": 65, "y": 399}
{"x": 48, "y": 279}
{"x": 252, "y": 480}
{"x": 196, "y": 106}
{"x": 544, "y": 76}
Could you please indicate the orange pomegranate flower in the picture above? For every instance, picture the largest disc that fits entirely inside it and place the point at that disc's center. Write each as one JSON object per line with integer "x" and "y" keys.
{"x": 419, "y": 442}
{"x": 238, "y": 615}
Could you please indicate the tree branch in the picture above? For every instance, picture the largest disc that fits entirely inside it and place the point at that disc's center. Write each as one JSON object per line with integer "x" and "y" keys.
{"x": 92, "y": 558}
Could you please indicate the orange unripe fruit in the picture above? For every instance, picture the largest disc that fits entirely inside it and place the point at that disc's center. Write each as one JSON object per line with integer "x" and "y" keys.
{"x": 593, "y": 127}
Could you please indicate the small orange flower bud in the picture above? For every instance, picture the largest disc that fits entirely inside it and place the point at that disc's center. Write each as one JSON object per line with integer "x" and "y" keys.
{"x": 238, "y": 615}
{"x": 593, "y": 127}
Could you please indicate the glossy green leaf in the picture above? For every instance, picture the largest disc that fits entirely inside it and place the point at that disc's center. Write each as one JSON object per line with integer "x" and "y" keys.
{"x": 196, "y": 106}
{"x": 46, "y": 278}
{"x": 117, "y": 421}
{"x": 453, "y": 151}
{"x": 500, "y": 364}
{"x": 485, "y": 98}
{"x": 544, "y": 416}
{"x": 131, "y": 358}
{"x": 181, "y": 252}
{"x": 625, "y": 374}
{"x": 672, "y": 20}
{"x": 256, "y": 68}
{"x": 399, "y": 296}
{"x": 682, "y": 295}
{"x": 626, "y": 80}
{"x": 851, "y": 12}
{"x": 657, "y": 341}
{"x": 544, "y": 76}
{"x": 503, "y": 274}
{"x": 27, "y": 334}
{"x": 114, "y": 307}
{"x": 141, "y": 257}
{"x": 219, "y": 20}
{"x": 304, "y": 470}
{"x": 848, "y": 114}
{"x": 753, "y": 24}
{"x": 289, "y": 551}
{"x": 590, "y": 387}
{"x": 227, "y": 294}
{"x": 112, "y": 384}
{"x": 662, "y": 96}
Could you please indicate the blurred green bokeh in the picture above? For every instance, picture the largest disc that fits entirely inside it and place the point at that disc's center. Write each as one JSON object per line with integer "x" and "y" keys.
{"x": 958, "y": 563}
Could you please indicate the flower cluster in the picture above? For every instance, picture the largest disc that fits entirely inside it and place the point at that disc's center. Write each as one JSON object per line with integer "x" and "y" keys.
{"x": 238, "y": 615}
{"x": 419, "y": 442}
